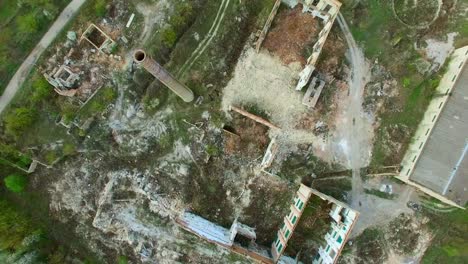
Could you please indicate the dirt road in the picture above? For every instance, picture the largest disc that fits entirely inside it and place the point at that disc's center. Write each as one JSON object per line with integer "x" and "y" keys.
{"x": 22, "y": 73}
{"x": 358, "y": 135}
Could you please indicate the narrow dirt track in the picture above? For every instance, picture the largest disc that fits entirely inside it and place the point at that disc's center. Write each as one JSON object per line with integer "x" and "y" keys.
{"x": 23, "y": 71}
{"x": 207, "y": 39}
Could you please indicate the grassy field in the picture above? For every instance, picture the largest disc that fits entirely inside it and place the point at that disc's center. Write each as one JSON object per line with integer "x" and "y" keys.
{"x": 22, "y": 24}
{"x": 450, "y": 243}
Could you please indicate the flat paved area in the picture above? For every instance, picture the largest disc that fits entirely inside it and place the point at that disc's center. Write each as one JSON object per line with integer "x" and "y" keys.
{"x": 23, "y": 71}
{"x": 443, "y": 164}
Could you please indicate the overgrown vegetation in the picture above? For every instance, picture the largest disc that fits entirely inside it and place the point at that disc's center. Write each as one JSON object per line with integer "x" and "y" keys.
{"x": 450, "y": 242}
{"x": 22, "y": 241}
{"x": 18, "y": 120}
{"x": 371, "y": 247}
{"x": 10, "y": 156}
{"x": 22, "y": 24}
{"x": 309, "y": 234}
{"x": 394, "y": 46}
{"x": 182, "y": 17}
{"x": 304, "y": 165}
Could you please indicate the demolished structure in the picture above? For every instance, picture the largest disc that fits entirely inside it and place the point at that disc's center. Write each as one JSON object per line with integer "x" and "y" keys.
{"x": 140, "y": 57}
{"x": 273, "y": 147}
{"x": 100, "y": 40}
{"x": 327, "y": 10}
{"x": 342, "y": 220}
{"x": 442, "y": 177}
{"x": 79, "y": 73}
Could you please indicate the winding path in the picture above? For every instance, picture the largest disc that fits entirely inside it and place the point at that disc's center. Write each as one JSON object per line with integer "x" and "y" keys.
{"x": 23, "y": 71}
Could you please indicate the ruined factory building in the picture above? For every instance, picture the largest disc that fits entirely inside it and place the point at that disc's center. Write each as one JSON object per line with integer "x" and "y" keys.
{"x": 436, "y": 162}
{"x": 342, "y": 220}
{"x": 141, "y": 58}
{"x": 327, "y": 11}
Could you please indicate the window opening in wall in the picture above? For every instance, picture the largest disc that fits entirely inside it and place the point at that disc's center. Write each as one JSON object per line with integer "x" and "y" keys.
{"x": 301, "y": 204}
{"x": 339, "y": 240}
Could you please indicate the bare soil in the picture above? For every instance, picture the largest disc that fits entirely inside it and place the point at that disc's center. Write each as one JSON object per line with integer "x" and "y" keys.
{"x": 253, "y": 137}
{"x": 292, "y": 31}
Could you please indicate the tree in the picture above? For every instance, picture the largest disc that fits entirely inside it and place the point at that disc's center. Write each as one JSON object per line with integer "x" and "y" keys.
{"x": 16, "y": 183}
{"x": 18, "y": 120}
{"x": 14, "y": 227}
{"x": 42, "y": 89}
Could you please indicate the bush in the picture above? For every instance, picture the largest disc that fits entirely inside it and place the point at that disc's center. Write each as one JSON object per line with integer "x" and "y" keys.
{"x": 169, "y": 37}
{"x": 18, "y": 120}
{"x": 41, "y": 88}
{"x": 182, "y": 13}
{"x": 14, "y": 227}
{"x": 16, "y": 183}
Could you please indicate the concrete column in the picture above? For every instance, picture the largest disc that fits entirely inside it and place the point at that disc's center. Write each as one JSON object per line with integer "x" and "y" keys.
{"x": 164, "y": 76}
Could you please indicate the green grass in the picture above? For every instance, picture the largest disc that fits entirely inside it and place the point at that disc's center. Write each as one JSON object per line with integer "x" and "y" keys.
{"x": 98, "y": 103}
{"x": 450, "y": 242}
{"x": 368, "y": 30}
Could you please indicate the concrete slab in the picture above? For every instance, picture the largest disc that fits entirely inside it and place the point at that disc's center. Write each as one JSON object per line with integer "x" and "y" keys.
{"x": 443, "y": 164}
